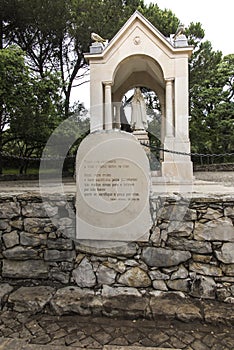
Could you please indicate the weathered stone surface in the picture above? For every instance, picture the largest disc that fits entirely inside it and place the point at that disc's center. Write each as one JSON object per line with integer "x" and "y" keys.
{"x": 20, "y": 253}
{"x": 115, "y": 301}
{"x": 189, "y": 244}
{"x": 202, "y": 258}
{"x": 212, "y": 214}
{"x": 126, "y": 249}
{"x": 227, "y": 253}
{"x": 181, "y": 228}
{"x": 38, "y": 225}
{"x": 156, "y": 237}
{"x": 18, "y": 223}
{"x": 182, "y": 272}
{"x": 5, "y": 290}
{"x": 70, "y": 300}
{"x": 161, "y": 257}
{"x": 203, "y": 287}
{"x": 219, "y": 313}
{"x": 228, "y": 269}
{"x": 9, "y": 210}
{"x": 31, "y": 299}
{"x": 158, "y": 275}
{"x": 117, "y": 266}
{"x": 172, "y": 305}
{"x": 217, "y": 230}
{"x": 60, "y": 244}
{"x": 25, "y": 269}
{"x": 60, "y": 276}
{"x": 4, "y": 225}
{"x": 135, "y": 277}
{"x": 177, "y": 212}
{"x": 32, "y": 240}
{"x": 229, "y": 211}
{"x": 205, "y": 269}
{"x": 105, "y": 275}
{"x": 159, "y": 285}
{"x": 10, "y": 239}
{"x": 38, "y": 210}
{"x": 59, "y": 255}
{"x": 180, "y": 284}
{"x": 84, "y": 275}
{"x": 111, "y": 292}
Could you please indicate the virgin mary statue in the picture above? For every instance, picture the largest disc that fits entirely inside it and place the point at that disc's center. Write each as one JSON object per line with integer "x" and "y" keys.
{"x": 138, "y": 116}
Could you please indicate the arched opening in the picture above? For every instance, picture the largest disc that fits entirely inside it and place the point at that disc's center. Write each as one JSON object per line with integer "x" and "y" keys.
{"x": 154, "y": 120}
{"x": 143, "y": 72}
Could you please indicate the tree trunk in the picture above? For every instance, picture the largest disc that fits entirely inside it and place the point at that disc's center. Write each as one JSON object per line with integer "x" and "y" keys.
{"x": 1, "y": 159}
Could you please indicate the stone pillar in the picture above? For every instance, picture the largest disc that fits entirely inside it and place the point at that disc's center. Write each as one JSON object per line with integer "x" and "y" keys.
{"x": 108, "y": 106}
{"x": 169, "y": 108}
{"x": 163, "y": 128}
{"x": 117, "y": 115}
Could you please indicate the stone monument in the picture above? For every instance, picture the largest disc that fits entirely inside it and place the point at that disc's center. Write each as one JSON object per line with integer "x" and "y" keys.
{"x": 139, "y": 55}
{"x": 112, "y": 171}
{"x": 113, "y": 187}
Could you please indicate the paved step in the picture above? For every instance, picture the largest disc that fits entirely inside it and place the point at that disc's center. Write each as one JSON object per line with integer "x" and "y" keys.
{"x": 18, "y": 344}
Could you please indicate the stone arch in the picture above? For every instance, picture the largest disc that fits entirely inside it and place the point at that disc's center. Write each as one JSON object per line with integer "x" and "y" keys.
{"x": 137, "y": 70}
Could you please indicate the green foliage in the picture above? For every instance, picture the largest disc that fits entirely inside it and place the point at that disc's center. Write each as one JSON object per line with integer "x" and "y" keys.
{"x": 30, "y": 106}
{"x": 211, "y": 101}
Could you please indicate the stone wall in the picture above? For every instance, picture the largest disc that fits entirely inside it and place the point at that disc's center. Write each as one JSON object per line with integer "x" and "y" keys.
{"x": 188, "y": 259}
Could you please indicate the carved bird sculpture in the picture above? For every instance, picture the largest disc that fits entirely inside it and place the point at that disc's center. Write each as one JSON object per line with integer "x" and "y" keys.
{"x": 180, "y": 30}
{"x": 97, "y": 38}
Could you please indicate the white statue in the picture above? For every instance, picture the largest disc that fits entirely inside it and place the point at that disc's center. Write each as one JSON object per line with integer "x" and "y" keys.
{"x": 138, "y": 116}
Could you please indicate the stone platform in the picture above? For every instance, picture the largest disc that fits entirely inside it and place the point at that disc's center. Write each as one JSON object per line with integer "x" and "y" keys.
{"x": 215, "y": 183}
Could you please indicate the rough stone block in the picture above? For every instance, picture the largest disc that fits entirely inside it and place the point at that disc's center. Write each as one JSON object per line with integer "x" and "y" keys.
{"x": 10, "y": 239}
{"x": 171, "y": 305}
{"x": 216, "y": 230}
{"x": 135, "y": 277}
{"x": 39, "y": 210}
{"x": 20, "y": 253}
{"x": 190, "y": 245}
{"x": 38, "y": 225}
{"x": 84, "y": 275}
{"x": 203, "y": 287}
{"x": 31, "y": 299}
{"x": 59, "y": 255}
{"x": 25, "y": 269}
{"x": 33, "y": 240}
{"x": 9, "y": 210}
{"x": 106, "y": 275}
{"x": 161, "y": 257}
{"x": 227, "y": 253}
{"x": 5, "y": 290}
{"x": 205, "y": 269}
{"x": 120, "y": 249}
{"x": 60, "y": 244}
{"x": 72, "y": 300}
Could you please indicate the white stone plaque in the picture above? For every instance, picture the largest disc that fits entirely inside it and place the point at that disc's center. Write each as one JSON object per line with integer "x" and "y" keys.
{"x": 113, "y": 184}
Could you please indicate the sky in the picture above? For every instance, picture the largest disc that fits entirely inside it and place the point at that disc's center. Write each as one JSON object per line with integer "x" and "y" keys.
{"x": 216, "y": 18}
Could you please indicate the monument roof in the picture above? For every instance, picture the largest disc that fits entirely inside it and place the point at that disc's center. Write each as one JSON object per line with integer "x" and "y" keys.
{"x": 137, "y": 19}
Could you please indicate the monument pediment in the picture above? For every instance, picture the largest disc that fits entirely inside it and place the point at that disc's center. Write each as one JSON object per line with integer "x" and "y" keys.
{"x": 137, "y": 36}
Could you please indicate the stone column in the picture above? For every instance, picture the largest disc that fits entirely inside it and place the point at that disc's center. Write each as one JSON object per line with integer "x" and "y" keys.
{"x": 117, "y": 115}
{"x": 162, "y": 131}
{"x": 108, "y": 106}
{"x": 169, "y": 108}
